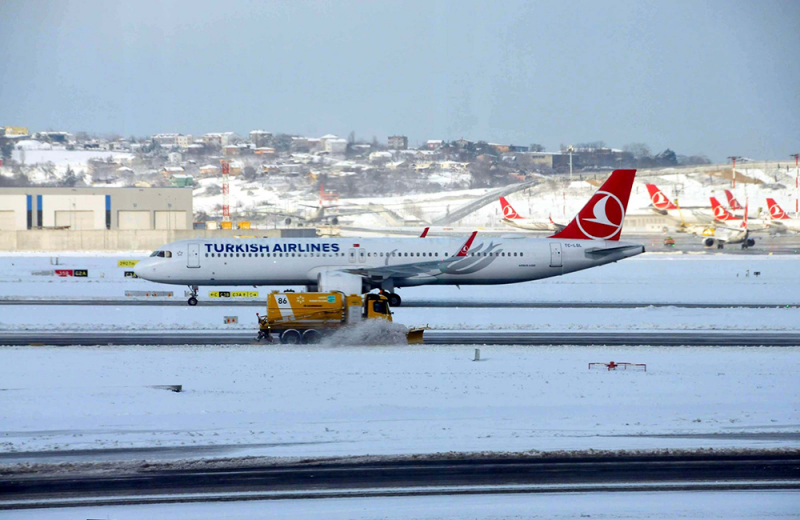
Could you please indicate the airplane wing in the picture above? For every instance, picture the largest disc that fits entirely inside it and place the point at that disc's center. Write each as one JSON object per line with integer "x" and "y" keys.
{"x": 600, "y": 252}
{"x": 425, "y": 268}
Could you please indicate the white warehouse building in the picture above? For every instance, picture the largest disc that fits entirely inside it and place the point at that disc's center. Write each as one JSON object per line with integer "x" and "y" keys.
{"x": 95, "y": 208}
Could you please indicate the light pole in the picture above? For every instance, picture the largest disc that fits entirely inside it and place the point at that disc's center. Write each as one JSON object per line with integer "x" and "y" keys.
{"x": 796, "y": 184}
{"x": 570, "y": 162}
{"x": 733, "y": 158}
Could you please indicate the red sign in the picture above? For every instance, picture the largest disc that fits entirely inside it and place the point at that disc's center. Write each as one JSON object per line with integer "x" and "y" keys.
{"x": 64, "y": 272}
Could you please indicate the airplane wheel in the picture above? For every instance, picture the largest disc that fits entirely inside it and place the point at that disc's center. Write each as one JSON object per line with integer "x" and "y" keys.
{"x": 290, "y": 337}
{"x": 311, "y": 337}
{"x": 394, "y": 299}
{"x": 192, "y": 301}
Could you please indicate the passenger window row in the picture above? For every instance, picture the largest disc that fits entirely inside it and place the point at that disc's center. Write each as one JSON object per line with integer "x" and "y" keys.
{"x": 281, "y": 255}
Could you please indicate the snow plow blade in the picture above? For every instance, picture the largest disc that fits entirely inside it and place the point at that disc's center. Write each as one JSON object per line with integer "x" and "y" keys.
{"x": 414, "y": 335}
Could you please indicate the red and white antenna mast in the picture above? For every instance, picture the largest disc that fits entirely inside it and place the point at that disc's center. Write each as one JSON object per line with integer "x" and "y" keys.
{"x": 226, "y": 191}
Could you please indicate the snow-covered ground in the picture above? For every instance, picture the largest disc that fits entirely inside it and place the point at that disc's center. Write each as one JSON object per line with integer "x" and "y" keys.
{"x": 673, "y": 278}
{"x": 668, "y": 505}
{"x": 337, "y": 400}
{"x": 174, "y": 319}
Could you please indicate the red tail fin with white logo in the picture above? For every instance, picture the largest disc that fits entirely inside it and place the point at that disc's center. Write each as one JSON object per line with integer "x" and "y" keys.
{"x": 465, "y": 248}
{"x": 602, "y": 217}
{"x": 720, "y": 213}
{"x": 732, "y": 202}
{"x": 508, "y": 212}
{"x": 775, "y": 211}
{"x": 659, "y": 200}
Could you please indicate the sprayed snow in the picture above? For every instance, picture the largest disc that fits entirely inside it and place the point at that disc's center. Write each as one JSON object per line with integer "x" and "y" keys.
{"x": 370, "y": 332}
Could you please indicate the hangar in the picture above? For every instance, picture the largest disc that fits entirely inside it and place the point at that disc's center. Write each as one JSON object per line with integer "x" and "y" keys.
{"x": 82, "y": 209}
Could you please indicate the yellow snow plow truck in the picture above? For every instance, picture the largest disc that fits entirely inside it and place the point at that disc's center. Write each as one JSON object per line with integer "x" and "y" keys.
{"x": 306, "y": 317}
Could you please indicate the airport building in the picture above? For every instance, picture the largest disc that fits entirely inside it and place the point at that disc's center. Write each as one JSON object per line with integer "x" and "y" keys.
{"x": 84, "y": 209}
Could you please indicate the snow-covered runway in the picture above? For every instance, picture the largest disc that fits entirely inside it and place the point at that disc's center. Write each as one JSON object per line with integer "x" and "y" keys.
{"x": 331, "y": 401}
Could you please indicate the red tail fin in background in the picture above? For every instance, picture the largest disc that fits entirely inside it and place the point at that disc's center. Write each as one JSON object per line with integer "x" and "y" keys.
{"x": 720, "y": 213}
{"x": 465, "y": 248}
{"x": 602, "y": 217}
{"x": 732, "y": 202}
{"x": 508, "y": 212}
{"x": 775, "y": 211}
{"x": 659, "y": 200}
{"x": 424, "y": 232}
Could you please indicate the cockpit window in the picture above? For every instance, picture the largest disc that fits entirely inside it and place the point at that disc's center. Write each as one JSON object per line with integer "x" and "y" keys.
{"x": 162, "y": 254}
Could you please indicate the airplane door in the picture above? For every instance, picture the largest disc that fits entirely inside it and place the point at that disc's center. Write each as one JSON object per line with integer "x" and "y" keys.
{"x": 351, "y": 253}
{"x": 555, "y": 254}
{"x": 193, "y": 260}
{"x": 362, "y": 256}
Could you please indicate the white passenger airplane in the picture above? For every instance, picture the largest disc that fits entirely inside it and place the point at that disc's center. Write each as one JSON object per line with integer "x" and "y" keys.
{"x": 684, "y": 215}
{"x": 729, "y": 229}
{"x": 512, "y": 218}
{"x": 359, "y": 265}
{"x": 780, "y": 219}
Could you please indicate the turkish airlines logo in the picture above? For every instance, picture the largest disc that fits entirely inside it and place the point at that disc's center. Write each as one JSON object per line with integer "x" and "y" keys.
{"x": 464, "y": 249}
{"x": 605, "y": 220}
{"x": 719, "y": 213}
{"x": 776, "y": 211}
{"x": 508, "y": 212}
{"x": 658, "y": 199}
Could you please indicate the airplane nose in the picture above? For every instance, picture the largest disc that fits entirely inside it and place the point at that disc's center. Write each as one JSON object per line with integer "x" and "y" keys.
{"x": 143, "y": 269}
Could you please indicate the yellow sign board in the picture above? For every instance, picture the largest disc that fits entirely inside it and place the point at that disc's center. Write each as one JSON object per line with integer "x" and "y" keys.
{"x": 127, "y": 263}
{"x": 236, "y": 294}
{"x": 16, "y": 130}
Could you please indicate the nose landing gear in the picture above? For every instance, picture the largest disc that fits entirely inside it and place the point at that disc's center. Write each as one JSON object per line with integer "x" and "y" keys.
{"x": 193, "y": 297}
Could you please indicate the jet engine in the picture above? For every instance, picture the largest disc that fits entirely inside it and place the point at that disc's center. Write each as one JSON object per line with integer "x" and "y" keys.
{"x": 750, "y": 242}
{"x": 709, "y": 242}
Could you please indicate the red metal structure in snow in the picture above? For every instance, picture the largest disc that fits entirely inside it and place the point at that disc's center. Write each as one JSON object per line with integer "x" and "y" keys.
{"x": 226, "y": 191}
{"x": 611, "y": 365}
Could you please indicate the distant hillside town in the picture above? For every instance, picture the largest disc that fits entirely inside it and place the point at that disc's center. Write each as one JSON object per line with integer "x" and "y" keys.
{"x": 351, "y": 166}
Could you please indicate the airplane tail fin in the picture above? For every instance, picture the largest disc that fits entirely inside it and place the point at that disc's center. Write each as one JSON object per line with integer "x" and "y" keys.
{"x": 732, "y": 202}
{"x": 659, "y": 200}
{"x": 775, "y": 211}
{"x": 465, "y": 248}
{"x": 602, "y": 217}
{"x": 508, "y": 212}
{"x": 720, "y": 213}
{"x": 424, "y": 232}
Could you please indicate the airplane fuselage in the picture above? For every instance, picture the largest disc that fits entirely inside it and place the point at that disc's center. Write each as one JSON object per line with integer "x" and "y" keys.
{"x": 284, "y": 261}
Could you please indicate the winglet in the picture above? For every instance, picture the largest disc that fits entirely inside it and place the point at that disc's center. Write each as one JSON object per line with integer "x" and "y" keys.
{"x": 602, "y": 217}
{"x": 465, "y": 248}
{"x": 508, "y": 212}
{"x": 659, "y": 200}
{"x": 424, "y": 232}
{"x": 744, "y": 220}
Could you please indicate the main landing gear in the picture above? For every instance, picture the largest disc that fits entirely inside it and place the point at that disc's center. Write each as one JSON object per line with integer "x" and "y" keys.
{"x": 394, "y": 298}
{"x": 193, "y": 297}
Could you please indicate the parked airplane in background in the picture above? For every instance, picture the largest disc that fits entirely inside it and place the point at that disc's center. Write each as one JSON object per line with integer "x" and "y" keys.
{"x": 512, "y": 218}
{"x": 780, "y": 219}
{"x": 736, "y": 232}
{"x": 736, "y": 208}
{"x": 357, "y": 265}
{"x": 732, "y": 202}
{"x": 723, "y": 215}
{"x": 687, "y": 215}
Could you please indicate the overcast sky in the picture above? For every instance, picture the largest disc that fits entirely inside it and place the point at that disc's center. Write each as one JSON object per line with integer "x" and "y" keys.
{"x": 718, "y": 77}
